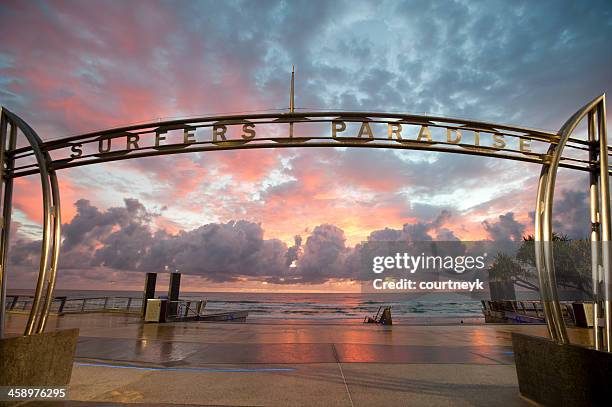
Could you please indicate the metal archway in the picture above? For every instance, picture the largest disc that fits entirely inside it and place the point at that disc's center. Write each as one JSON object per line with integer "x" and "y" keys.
{"x": 51, "y": 217}
{"x": 600, "y": 224}
{"x": 46, "y": 157}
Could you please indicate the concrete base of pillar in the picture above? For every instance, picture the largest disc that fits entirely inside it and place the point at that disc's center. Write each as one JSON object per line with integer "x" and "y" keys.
{"x": 562, "y": 375}
{"x": 38, "y": 360}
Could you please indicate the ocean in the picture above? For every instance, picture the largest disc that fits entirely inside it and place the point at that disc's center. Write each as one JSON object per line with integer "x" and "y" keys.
{"x": 318, "y": 307}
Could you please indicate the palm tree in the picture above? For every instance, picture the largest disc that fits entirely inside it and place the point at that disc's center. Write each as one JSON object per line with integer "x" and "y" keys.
{"x": 572, "y": 264}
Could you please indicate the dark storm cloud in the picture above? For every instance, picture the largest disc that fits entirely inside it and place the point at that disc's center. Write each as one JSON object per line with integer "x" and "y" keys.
{"x": 25, "y": 252}
{"x": 387, "y": 234}
{"x": 123, "y": 232}
{"x": 222, "y": 252}
{"x": 122, "y": 239}
{"x": 571, "y": 214}
{"x": 505, "y": 228}
{"x": 324, "y": 256}
{"x": 418, "y": 231}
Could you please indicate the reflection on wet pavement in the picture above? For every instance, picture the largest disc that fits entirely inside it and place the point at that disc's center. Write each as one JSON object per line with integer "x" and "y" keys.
{"x": 126, "y": 338}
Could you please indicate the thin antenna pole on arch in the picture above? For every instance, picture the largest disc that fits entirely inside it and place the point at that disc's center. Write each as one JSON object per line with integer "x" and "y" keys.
{"x": 292, "y": 99}
{"x": 292, "y": 91}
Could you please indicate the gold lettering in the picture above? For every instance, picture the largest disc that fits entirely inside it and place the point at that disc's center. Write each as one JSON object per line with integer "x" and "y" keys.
{"x": 248, "y": 131}
{"x": 132, "y": 141}
{"x": 77, "y": 151}
{"x": 159, "y": 137}
{"x": 499, "y": 141}
{"x": 365, "y": 129}
{"x": 337, "y": 127}
{"x": 424, "y": 133}
{"x": 524, "y": 145}
{"x": 219, "y": 130}
{"x": 394, "y": 128}
{"x": 108, "y": 146}
{"x": 449, "y": 136}
{"x": 476, "y": 138}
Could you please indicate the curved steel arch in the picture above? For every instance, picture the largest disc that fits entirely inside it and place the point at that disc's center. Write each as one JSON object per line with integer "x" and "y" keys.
{"x": 151, "y": 129}
{"x": 51, "y": 218}
{"x": 600, "y": 223}
{"x": 551, "y": 161}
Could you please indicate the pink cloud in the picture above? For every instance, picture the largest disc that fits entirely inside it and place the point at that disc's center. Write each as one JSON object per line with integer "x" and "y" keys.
{"x": 27, "y": 197}
{"x": 247, "y": 166}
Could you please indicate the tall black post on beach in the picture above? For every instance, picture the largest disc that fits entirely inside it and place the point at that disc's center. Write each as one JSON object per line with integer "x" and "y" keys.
{"x": 173, "y": 293}
{"x": 149, "y": 291}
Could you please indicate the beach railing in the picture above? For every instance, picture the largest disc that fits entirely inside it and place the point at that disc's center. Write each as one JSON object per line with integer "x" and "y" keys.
{"x": 521, "y": 311}
{"x": 187, "y": 309}
{"x": 64, "y": 305}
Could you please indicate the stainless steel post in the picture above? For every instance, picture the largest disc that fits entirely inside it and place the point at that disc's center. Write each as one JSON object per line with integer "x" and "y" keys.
{"x": 56, "y": 238}
{"x": 549, "y": 261}
{"x": 544, "y": 222}
{"x": 4, "y": 229}
{"x": 42, "y": 164}
{"x": 595, "y": 236}
{"x": 7, "y": 208}
{"x": 604, "y": 183}
{"x": 539, "y": 256}
{"x": 44, "y": 256}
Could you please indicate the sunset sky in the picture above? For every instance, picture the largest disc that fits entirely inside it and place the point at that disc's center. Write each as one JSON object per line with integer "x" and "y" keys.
{"x": 228, "y": 219}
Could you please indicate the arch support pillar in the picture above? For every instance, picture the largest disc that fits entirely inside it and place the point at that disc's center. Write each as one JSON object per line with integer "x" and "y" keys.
{"x": 599, "y": 194}
{"x": 7, "y": 142}
{"x": 51, "y": 239}
{"x": 605, "y": 227}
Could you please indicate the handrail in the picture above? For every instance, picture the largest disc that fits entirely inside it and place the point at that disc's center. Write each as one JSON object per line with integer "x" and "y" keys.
{"x": 63, "y": 305}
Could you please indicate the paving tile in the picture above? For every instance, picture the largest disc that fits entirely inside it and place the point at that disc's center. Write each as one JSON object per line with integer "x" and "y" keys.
{"x": 392, "y": 385}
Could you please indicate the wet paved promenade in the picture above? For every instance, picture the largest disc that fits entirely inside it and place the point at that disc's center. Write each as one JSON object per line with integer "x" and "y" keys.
{"x": 121, "y": 360}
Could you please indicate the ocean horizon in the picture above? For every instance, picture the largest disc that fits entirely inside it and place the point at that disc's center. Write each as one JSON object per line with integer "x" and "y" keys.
{"x": 336, "y": 307}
